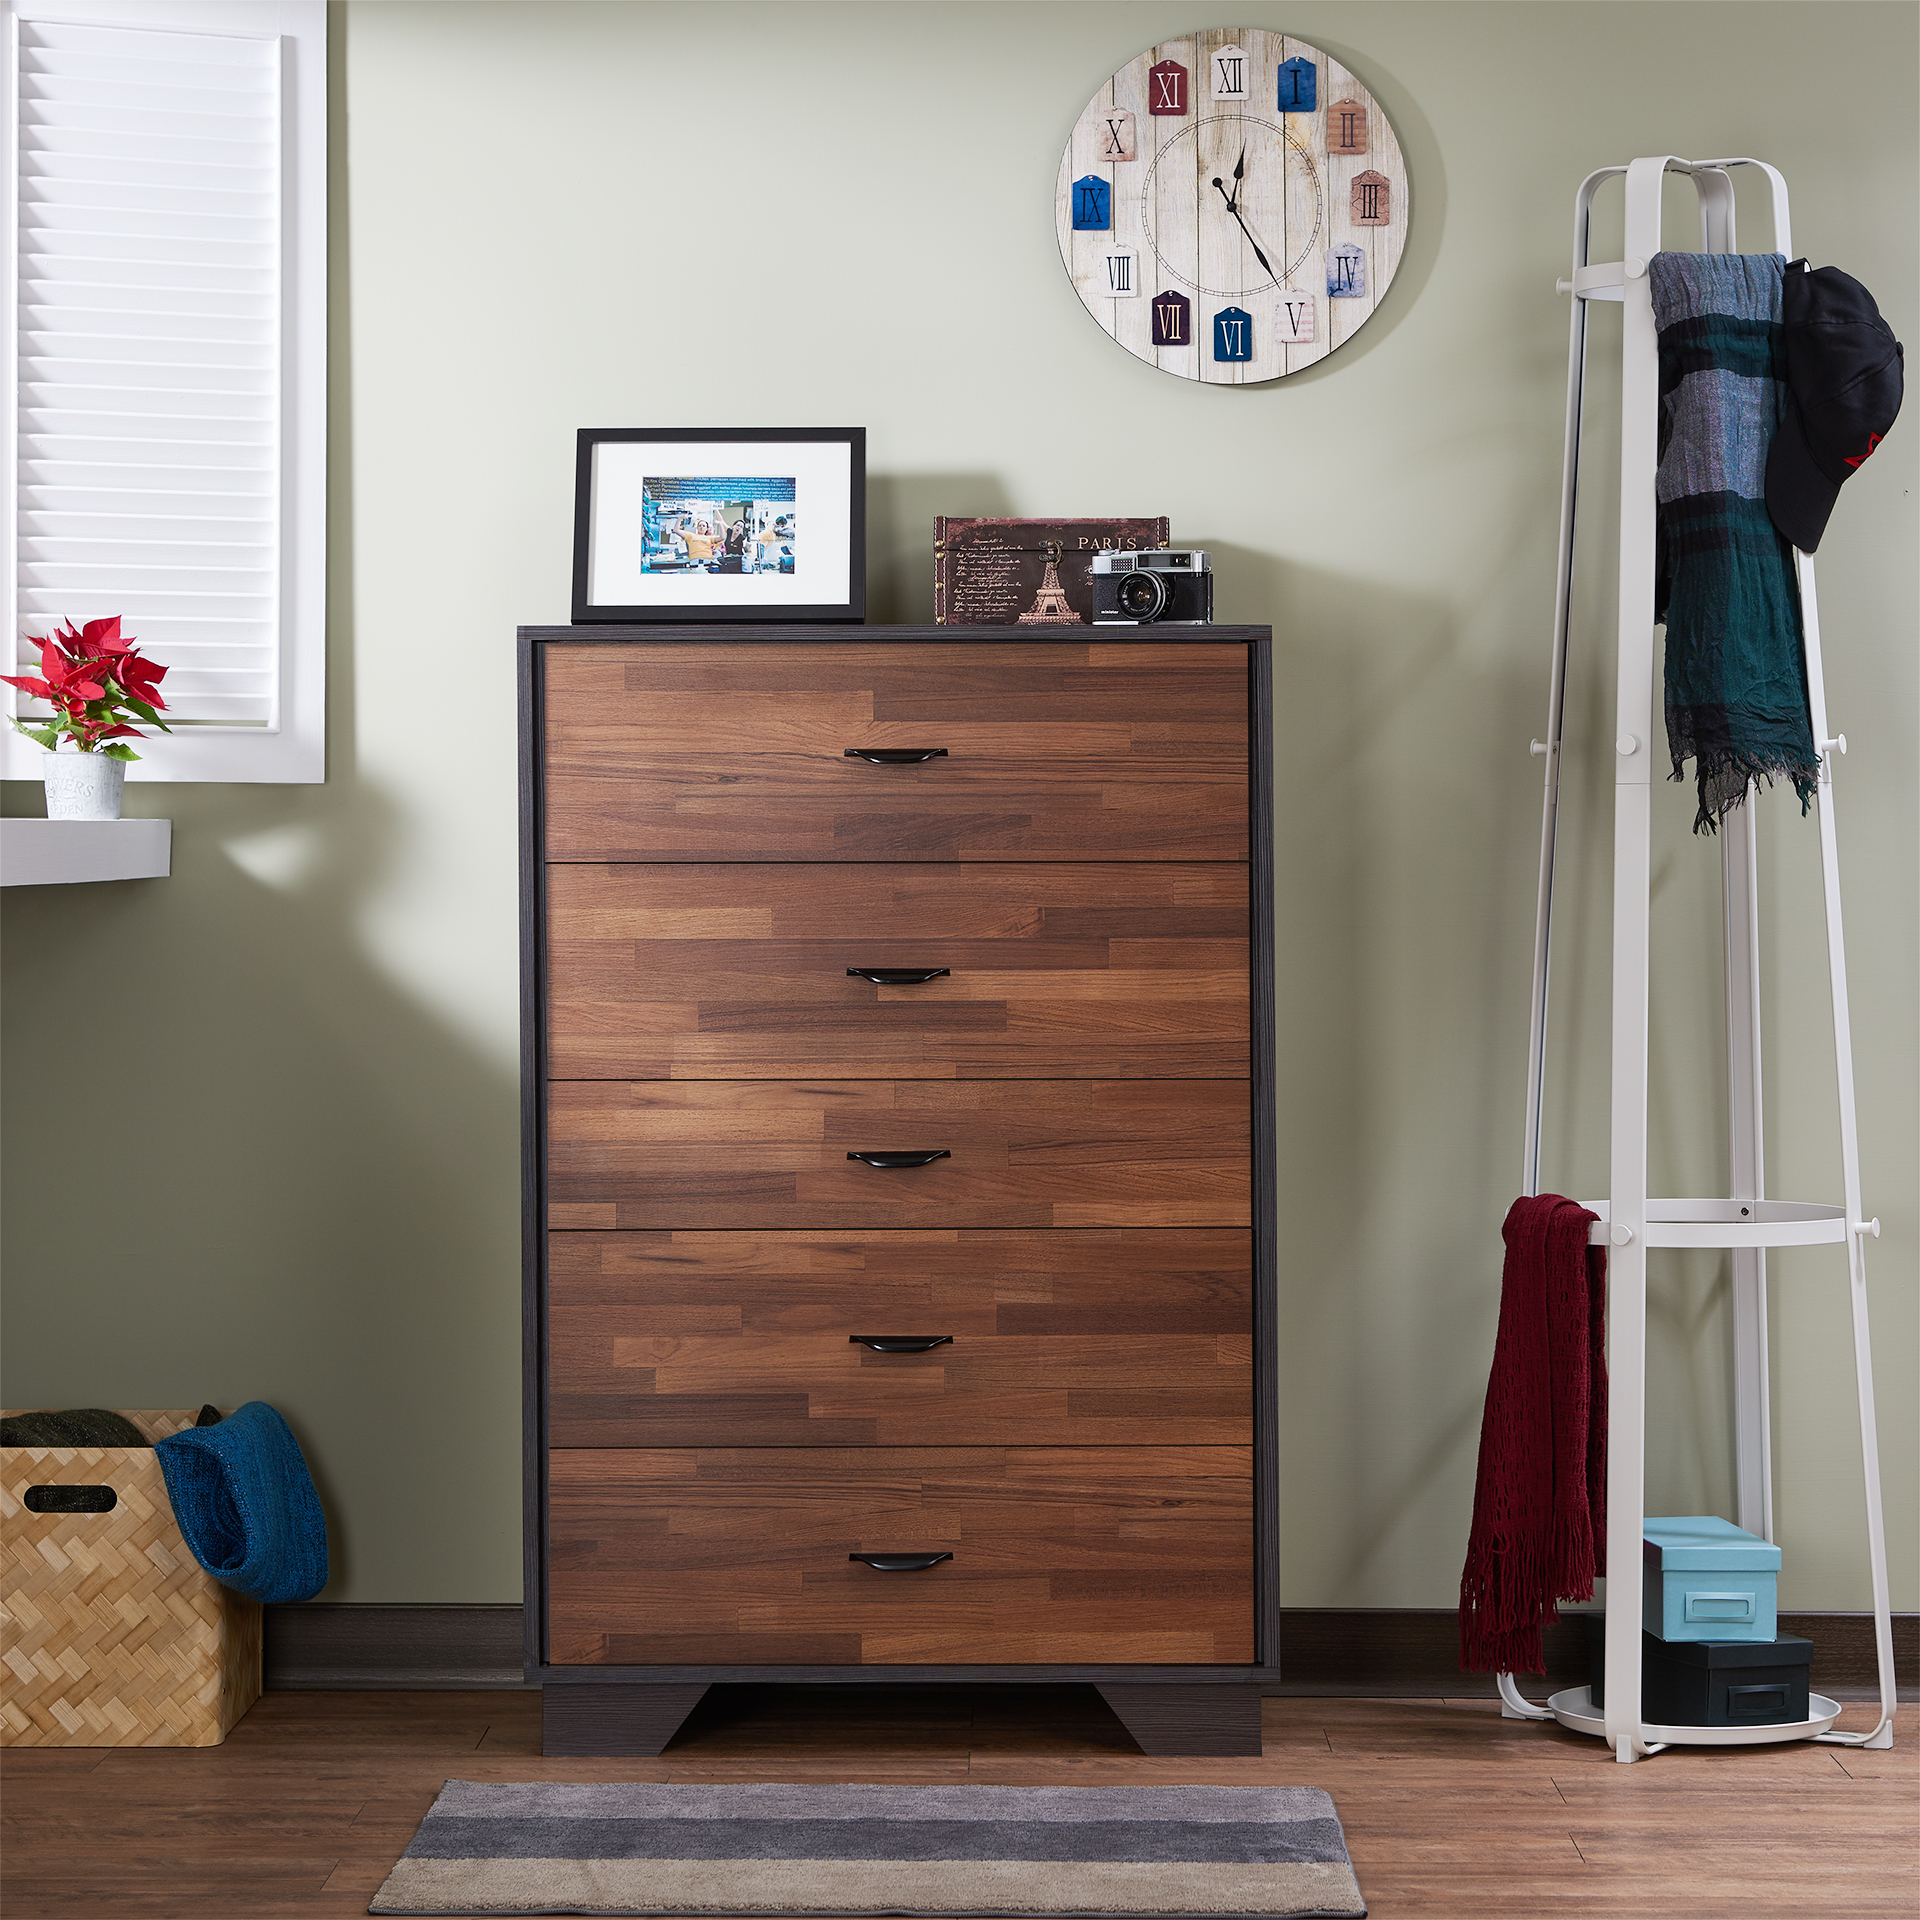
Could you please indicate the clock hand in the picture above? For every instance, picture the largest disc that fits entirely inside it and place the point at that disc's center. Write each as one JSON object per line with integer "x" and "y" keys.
{"x": 1265, "y": 263}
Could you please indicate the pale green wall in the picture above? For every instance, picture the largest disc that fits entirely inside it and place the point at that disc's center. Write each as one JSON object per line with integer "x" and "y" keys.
{"x": 261, "y": 1121}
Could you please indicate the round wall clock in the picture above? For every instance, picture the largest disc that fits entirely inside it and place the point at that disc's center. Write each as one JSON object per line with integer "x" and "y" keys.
{"x": 1232, "y": 206}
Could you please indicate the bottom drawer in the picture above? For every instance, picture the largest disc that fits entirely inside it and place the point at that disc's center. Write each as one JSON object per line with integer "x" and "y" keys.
{"x": 740, "y": 1556}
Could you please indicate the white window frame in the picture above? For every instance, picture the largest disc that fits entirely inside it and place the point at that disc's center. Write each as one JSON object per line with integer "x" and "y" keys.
{"x": 293, "y": 751}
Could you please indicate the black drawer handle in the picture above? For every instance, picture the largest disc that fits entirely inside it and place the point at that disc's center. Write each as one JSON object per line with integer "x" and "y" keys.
{"x": 898, "y": 976}
{"x": 894, "y": 756}
{"x": 877, "y": 1158}
{"x": 900, "y": 1562}
{"x": 900, "y": 1342}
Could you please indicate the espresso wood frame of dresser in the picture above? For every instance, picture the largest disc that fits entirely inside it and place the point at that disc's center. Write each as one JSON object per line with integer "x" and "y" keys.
{"x": 628, "y": 1707}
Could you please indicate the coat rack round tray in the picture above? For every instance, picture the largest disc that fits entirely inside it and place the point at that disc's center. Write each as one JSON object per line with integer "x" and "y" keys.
{"x": 1629, "y": 1221}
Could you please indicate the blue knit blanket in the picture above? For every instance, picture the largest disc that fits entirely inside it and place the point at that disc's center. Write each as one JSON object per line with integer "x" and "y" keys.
{"x": 247, "y": 1506}
{"x": 1736, "y": 674}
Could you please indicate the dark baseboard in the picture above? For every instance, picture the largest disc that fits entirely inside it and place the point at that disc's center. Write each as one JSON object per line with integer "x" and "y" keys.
{"x": 325, "y": 1644}
{"x": 1415, "y": 1652}
{"x": 1380, "y": 1651}
{"x": 1409, "y": 1652}
{"x": 1843, "y": 1648}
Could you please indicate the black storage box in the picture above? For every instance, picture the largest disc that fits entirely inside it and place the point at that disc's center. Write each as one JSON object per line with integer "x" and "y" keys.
{"x": 1711, "y": 1683}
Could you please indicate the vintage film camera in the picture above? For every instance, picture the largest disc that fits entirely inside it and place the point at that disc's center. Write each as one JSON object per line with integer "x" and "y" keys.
{"x": 1162, "y": 584}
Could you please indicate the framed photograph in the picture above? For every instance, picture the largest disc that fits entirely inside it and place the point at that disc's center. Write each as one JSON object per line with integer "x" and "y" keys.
{"x": 720, "y": 523}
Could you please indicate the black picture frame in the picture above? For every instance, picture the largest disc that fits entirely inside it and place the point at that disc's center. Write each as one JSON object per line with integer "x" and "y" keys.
{"x": 708, "y": 601}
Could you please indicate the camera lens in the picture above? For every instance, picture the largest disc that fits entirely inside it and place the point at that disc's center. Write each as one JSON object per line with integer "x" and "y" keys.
{"x": 1141, "y": 596}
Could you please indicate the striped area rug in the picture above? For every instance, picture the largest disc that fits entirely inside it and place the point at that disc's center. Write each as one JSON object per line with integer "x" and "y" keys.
{"x": 1259, "y": 1853}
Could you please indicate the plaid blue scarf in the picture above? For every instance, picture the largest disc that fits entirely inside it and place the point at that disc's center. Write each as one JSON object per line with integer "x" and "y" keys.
{"x": 1736, "y": 674}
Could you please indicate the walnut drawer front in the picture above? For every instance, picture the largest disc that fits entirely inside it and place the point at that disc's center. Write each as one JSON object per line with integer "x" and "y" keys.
{"x": 1052, "y": 972}
{"x": 1089, "y": 1338}
{"x": 1052, "y": 751}
{"x": 1122, "y": 1554}
{"x": 1019, "y": 1153}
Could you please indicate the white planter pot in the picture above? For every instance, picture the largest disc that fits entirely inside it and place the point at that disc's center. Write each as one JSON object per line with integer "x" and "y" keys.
{"x": 83, "y": 786}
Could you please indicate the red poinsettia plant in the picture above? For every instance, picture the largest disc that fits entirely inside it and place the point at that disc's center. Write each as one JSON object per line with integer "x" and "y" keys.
{"x": 95, "y": 681}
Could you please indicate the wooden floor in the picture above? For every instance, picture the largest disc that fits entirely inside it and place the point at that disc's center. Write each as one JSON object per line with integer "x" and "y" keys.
{"x": 1448, "y": 1809}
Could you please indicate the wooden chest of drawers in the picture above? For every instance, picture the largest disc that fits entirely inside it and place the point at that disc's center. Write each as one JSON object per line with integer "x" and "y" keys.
{"x": 897, "y": 1034}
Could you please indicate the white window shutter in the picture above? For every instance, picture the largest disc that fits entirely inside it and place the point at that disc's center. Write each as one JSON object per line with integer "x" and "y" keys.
{"x": 163, "y": 348}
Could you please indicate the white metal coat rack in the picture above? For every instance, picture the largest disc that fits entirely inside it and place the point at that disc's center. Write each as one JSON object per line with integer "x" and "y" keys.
{"x": 1746, "y": 1223}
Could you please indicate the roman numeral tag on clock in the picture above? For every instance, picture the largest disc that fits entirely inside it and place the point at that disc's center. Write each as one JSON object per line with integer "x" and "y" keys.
{"x": 1116, "y": 134}
{"x": 1122, "y": 267}
{"x": 1167, "y": 88}
{"x": 1170, "y": 314}
{"x": 1092, "y": 204}
{"x": 1233, "y": 334}
{"x": 1230, "y": 67}
{"x": 1296, "y": 86}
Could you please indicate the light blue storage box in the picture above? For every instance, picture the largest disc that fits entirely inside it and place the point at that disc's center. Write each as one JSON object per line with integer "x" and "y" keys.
{"x": 1706, "y": 1579}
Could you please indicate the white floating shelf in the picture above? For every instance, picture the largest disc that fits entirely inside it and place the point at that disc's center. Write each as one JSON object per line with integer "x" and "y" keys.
{"x": 43, "y": 853}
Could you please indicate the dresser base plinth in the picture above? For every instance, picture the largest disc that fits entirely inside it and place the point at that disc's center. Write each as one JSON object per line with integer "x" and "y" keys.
{"x": 632, "y": 1718}
{"x": 1180, "y": 1720}
{"x": 621, "y": 1721}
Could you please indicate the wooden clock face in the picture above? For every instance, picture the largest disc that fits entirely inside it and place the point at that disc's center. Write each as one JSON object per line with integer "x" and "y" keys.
{"x": 1232, "y": 206}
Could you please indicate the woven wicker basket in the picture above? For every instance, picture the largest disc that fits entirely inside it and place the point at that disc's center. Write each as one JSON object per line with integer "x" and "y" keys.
{"x": 111, "y": 1634}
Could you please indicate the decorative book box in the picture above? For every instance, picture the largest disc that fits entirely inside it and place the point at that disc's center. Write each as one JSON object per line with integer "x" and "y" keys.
{"x": 1026, "y": 573}
{"x": 1707, "y": 1579}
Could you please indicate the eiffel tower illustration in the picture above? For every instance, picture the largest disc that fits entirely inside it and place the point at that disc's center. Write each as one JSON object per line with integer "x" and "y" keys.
{"x": 1050, "y": 607}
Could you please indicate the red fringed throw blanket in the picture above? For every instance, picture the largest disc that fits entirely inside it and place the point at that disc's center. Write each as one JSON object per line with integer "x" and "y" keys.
{"x": 1540, "y": 1501}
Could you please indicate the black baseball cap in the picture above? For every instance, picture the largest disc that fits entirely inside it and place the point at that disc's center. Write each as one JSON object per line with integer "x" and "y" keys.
{"x": 1844, "y": 382}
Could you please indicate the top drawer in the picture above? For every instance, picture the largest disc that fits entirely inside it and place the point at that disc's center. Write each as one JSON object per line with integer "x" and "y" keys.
{"x": 1052, "y": 751}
